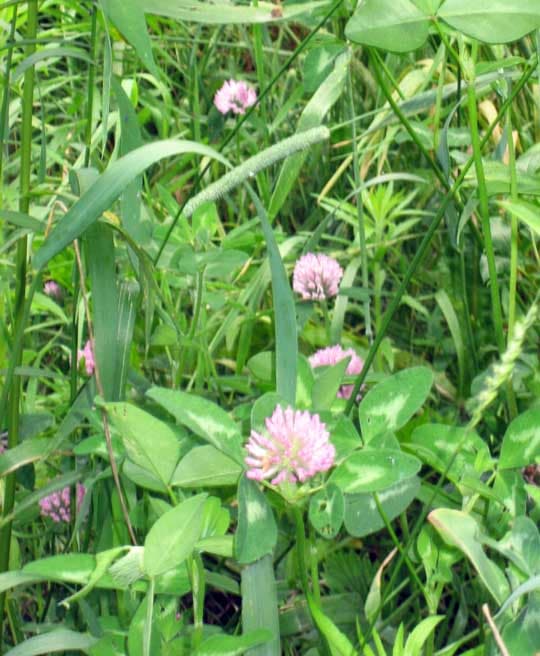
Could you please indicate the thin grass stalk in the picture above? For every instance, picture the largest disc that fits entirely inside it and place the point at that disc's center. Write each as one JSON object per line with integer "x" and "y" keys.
{"x": 259, "y": 61}
{"x": 20, "y": 286}
{"x": 537, "y": 43}
{"x": 467, "y": 310}
{"x": 439, "y": 102}
{"x": 90, "y": 87}
{"x": 377, "y": 66}
{"x": 514, "y": 236}
{"x": 360, "y": 215}
{"x": 193, "y": 330}
{"x": 302, "y": 46}
{"x": 195, "y": 95}
{"x": 16, "y": 351}
{"x": 198, "y": 587}
{"x": 314, "y": 565}
{"x": 264, "y": 185}
{"x": 147, "y": 631}
{"x": 512, "y": 287}
{"x": 4, "y": 123}
{"x": 303, "y": 566}
{"x": 484, "y": 204}
{"x": 438, "y": 172}
{"x": 74, "y": 378}
{"x": 101, "y": 392}
{"x": 419, "y": 255}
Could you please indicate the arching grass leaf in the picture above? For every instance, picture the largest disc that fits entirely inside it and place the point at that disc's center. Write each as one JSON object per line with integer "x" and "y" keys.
{"x": 108, "y": 187}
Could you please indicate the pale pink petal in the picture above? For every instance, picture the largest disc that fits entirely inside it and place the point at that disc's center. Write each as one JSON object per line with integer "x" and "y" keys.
{"x": 331, "y": 355}
{"x": 87, "y": 354}
{"x": 317, "y": 277}
{"x": 297, "y": 447}
{"x": 52, "y": 289}
{"x": 235, "y": 96}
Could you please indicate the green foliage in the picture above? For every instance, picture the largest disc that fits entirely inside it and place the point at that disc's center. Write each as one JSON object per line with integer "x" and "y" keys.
{"x": 374, "y": 470}
{"x": 403, "y": 25}
{"x": 326, "y": 511}
{"x": 257, "y": 531}
{"x": 172, "y": 538}
{"x": 417, "y": 503}
{"x": 391, "y": 403}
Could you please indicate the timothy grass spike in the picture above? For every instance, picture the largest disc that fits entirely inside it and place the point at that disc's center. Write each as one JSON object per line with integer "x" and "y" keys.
{"x": 503, "y": 369}
{"x": 255, "y": 164}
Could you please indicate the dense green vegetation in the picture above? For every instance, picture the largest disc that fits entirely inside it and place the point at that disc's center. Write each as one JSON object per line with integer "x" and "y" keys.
{"x": 269, "y": 327}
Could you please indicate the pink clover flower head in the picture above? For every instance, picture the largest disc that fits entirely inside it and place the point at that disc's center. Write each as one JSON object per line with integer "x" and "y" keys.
{"x": 235, "y": 96}
{"x": 57, "y": 505}
{"x": 87, "y": 354}
{"x": 317, "y": 277}
{"x": 332, "y": 355}
{"x": 296, "y": 448}
{"x": 52, "y": 288}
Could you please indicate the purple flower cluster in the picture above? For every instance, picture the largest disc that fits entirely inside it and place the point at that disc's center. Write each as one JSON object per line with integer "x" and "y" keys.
{"x": 317, "y": 277}
{"x": 87, "y": 356}
{"x": 52, "y": 288}
{"x": 296, "y": 448}
{"x": 332, "y": 355}
{"x": 235, "y": 96}
{"x": 57, "y": 505}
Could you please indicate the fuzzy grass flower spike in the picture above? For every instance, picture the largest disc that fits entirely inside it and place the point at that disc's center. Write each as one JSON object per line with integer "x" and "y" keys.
{"x": 57, "y": 505}
{"x": 332, "y": 355}
{"x": 317, "y": 277}
{"x": 235, "y": 96}
{"x": 297, "y": 446}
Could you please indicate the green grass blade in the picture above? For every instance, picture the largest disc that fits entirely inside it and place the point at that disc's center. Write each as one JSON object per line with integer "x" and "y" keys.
{"x": 48, "y": 53}
{"x": 108, "y": 188}
{"x": 259, "y": 604}
{"x": 452, "y": 320}
{"x": 128, "y": 18}
{"x": 225, "y": 13}
{"x": 130, "y": 139}
{"x": 54, "y": 641}
{"x": 100, "y": 256}
{"x": 284, "y": 311}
